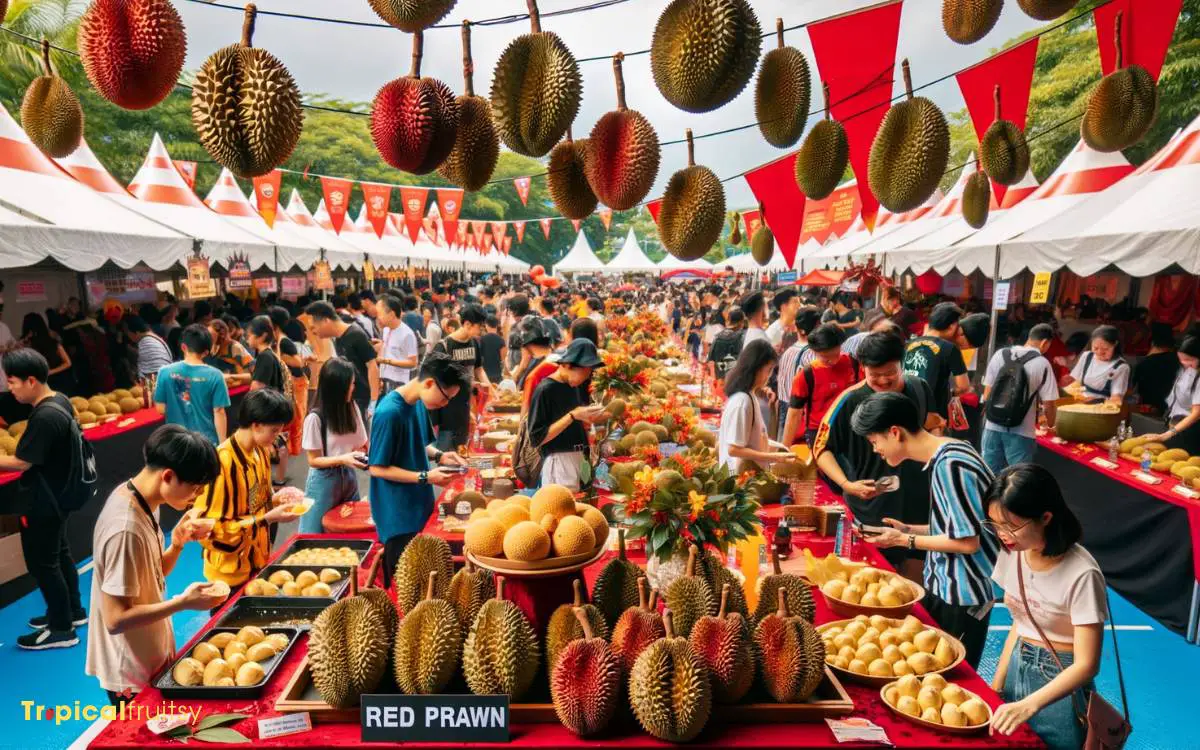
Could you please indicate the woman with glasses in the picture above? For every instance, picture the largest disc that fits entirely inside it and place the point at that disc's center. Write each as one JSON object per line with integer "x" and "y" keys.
{"x": 1044, "y": 571}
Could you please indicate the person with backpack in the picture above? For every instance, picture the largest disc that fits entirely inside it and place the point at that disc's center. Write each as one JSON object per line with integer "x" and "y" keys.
{"x": 727, "y": 346}
{"x": 1017, "y": 378}
{"x": 1102, "y": 373}
{"x": 792, "y": 360}
{"x": 818, "y": 384}
{"x": 59, "y": 477}
{"x": 335, "y": 438}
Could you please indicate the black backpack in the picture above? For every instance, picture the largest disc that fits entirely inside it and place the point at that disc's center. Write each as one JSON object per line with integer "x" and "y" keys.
{"x": 731, "y": 346}
{"x": 1010, "y": 398}
{"x": 80, "y": 467}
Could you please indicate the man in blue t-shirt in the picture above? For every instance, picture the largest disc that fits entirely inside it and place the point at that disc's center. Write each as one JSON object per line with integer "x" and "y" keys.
{"x": 191, "y": 393}
{"x": 401, "y": 449}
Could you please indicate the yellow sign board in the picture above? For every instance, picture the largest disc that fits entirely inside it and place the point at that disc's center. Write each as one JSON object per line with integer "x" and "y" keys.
{"x": 1041, "y": 289}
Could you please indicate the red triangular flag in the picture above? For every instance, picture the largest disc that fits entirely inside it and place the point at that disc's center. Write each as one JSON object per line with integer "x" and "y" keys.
{"x": 485, "y": 245}
{"x": 752, "y": 222}
{"x": 412, "y": 199}
{"x": 266, "y": 191}
{"x": 376, "y": 198}
{"x": 450, "y": 206}
{"x": 520, "y": 227}
{"x": 545, "y": 227}
{"x": 606, "y": 217}
{"x": 460, "y": 237}
{"x": 775, "y": 187}
{"x": 654, "y": 207}
{"x": 478, "y": 228}
{"x": 499, "y": 229}
{"x": 522, "y": 185}
{"x": 1146, "y": 31}
{"x": 575, "y": 223}
{"x": 337, "y": 200}
{"x": 507, "y": 244}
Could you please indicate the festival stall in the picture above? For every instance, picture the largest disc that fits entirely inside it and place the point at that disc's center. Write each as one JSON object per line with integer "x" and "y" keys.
{"x": 348, "y": 234}
{"x": 630, "y": 259}
{"x": 580, "y": 259}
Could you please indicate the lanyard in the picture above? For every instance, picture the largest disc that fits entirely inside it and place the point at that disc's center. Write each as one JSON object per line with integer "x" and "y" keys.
{"x": 144, "y": 505}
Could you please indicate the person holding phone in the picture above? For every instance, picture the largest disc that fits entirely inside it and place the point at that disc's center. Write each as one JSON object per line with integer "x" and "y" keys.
{"x": 335, "y": 438}
{"x": 558, "y": 416}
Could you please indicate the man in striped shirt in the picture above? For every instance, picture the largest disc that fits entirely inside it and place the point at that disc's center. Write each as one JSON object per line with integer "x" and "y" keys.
{"x": 791, "y": 360}
{"x": 958, "y": 567}
{"x": 153, "y": 354}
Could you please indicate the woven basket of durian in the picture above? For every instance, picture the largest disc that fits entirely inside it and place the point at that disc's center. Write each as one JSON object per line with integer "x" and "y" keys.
{"x": 1088, "y": 423}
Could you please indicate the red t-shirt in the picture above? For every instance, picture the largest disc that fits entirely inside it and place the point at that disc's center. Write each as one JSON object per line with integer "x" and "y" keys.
{"x": 828, "y": 382}
{"x": 539, "y": 373}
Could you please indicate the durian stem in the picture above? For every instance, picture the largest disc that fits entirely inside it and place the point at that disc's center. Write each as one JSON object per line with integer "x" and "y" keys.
{"x": 619, "y": 75}
{"x": 500, "y": 587}
{"x": 907, "y": 77}
{"x": 418, "y": 53}
{"x": 430, "y": 586}
{"x": 578, "y": 593}
{"x": 775, "y": 560}
{"x": 620, "y": 531}
{"x": 779, "y": 31}
{"x": 580, "y": 615}
{"x": 570, "y": 136}
{"x": 782, "y": 596}
{"x": 724, "y": 601}
{"x": 374, "y": 571}
{"x": 46, "y": 59}
{"x": 248, "y": 25}
{"x": 691, "y": 566}
{"x": 762, "y": 213}
{"x": 691, "y": 144}
{"x": 643, "y": 587}
{"x": 653, "y": 599}
{"x": 354, "y": 581}
{"x": 535, "y": 18}
{"x": 468, "y": 63}
{"x": 825, "y": 93}
{"x": 996, "y": 99}
{"x": 667, "y": 626}
{"x": 1117, "y": 33}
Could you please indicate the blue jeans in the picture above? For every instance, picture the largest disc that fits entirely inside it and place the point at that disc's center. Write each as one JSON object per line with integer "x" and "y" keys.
{"x": 1029, "y": 669}
{"x": 329, "y": 488}
{"x": 1003, "y": 449}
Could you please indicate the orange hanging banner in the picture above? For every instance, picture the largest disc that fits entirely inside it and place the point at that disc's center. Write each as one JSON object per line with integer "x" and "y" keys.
{"x": 376, "y": 198}
{"x": 322, "y": 276}
{"x": 478, "y": 228}
{"x": 266, "y": 194}
{"x": 460, "y": 236}
{"x": 337, "y": 200}
{"x": 413, "y": 201}
{"x": 545, "y": 227}
{"x": 522, "y": 185}
{"x": 606, "y": 217}
{"x": 519, "y": 226}
{"x": 450, "y": 206}
{"x": 499, "y": 229}
{"x": 507, "y": 244}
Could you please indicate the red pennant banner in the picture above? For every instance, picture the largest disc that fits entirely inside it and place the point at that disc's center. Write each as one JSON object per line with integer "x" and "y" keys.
{"x": 478, "y": 229}
{"x": 522, "y": 184}
{"x": 450, "y": 206}
{"x": 753, "y": 219}
{"x": 460, "y": 236}
{"x": 187, "y": 170}
{"x": 1146, "y": 31}
{"x": 606, "y": 217}
{"x": 654, "y": 207}
{"x": 507, "y": 245}
{"x": 545, "y": 227}
{"x": 485, "y": 245}
{"x": 1012, "y": 70}
{"x": 831, "y": 216}
{"x": 499, "y": 229}
{"x": 266, "y": 193}
{"x": 519, "y": 226}
{"x": 576, "y": 223}
{"x": 860, "y": 78}
{"x": 376, "y": 198}
{"x": 337, "y": 200}
{"x": 775, "y": 187}
{"x": 413, "y": 201}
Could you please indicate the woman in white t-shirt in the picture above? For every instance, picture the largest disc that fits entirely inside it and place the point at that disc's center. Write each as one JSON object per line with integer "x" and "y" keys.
{"x": 1102, "y": 372}
{"x": 1064, "y": 590}
{"x": 1183, "y": 404}
{"x": 743, "y": 433}
{"x": 335, "y": 439}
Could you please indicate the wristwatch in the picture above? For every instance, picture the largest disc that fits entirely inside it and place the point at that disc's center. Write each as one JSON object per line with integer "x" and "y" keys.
{"x": 423, "y": 477}
{"x": 912, "y": 541}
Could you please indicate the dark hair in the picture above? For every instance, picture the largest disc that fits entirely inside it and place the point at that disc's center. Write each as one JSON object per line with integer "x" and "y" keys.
{"x": 736, "y": 317}
{"x": 518, "y": 305}
{"x": 279, "y": 316}
{"x": 189, "y": 454}
{"x": 880, "y": 412}
{"x": 944, "y": 315}
{"x": 888, "y": 327}
{"x": 260, "y": 325}
{"x": 1040, "y": 332}
{"x": 1161, "y": 334}
{"x": 337, "y": 377}
{"x": 548, "y": 305}
{"x": 1029, "y": 491}
{"x": 1190, "y": 346}
{"x": 585, "y": 328}
{"x": 1077, "y": 342}
{"x": 752, "y": 304}
{"x": 197, "y": 339}
{"x": 975, "y": 328}
{"x": 410, "y": 303}
{"x": 879, "y": 349}
{"x": 1109, "y": 334}
{"x": 321, "y": 310}
{"x": 444, "y": 370}
{"x": 34, "y": 327}
{"x": 892, "y": 292}
{"x": 826, "y": 338}
{"x": 338, "y": 301}
{"x": 473, "y": 314}
{"x": 230, "y": 321}
{"x": 135, "y": 324}
{"x": 353, "y": 301}
{"x": 755, "y": 355}
{"x": 782, "y": 297}
{"x": 595, "y": 304}
{"x": 201, "y": 309}
{"x": 492, "y": 321}
{"x": 807, "y": 319}
{"x": 367, "y": 294}
{"x": 264, "y": 406}
{"x": 394, "y": 306}
{"x": 25, "y": 363}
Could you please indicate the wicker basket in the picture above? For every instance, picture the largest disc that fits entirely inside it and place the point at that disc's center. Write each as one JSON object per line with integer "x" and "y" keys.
{"x": 827, "y": 519}
{"x": 801, "y": 516}
{"x": 803, "y": 491}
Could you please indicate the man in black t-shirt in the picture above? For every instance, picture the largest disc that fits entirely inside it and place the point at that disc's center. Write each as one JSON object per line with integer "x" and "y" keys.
{"x": 350, "y": 342}
{"x": 493, "y": 350}
{"x": 936, "y": 358}
{"x": 727, "y": 346}
{"x": 454, "y": 420}
{"x": 42, "y": 454}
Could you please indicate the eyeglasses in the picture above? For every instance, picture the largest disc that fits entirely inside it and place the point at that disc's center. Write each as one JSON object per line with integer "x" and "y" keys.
{"x": 996, "y": 528}
{"x": 442, "y": 391}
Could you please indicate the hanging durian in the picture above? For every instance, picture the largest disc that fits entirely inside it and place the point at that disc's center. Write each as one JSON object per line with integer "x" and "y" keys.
{"x": 428, "y": 645}
{"x": 132, "y": 50}
{"x": 1046, "y": 10}
{"x": 669, "y": 688}
{"x": 783, "y": 94}
{"x": 414, "y": 120}
{"x": 50, "y": 112}
{"x": 1003, "y": 151}
{"x": 704, "y": 51}
{"x": 412, "y": 15}
{"x": 823, "y": 157}
{"x": 968, "y": 21}
{"x": 637, "y": 627}
{"x": 246, "y": 107}
{"x": 501, "y": 651}
{"x": 692, "y": 213}
{"x": 722, "y": 644}
{"x": 623, "y": 154}
{"x": 424, "y": 554}
{"x": 476, "y": 146}
{"x": 536, "y": 90}
{"x": 910, "y": 151}
{"x": 790, "y": 654}
{"x": 762, "y": 244}
{"x": 566, "y": 180}
{"x": 348, "y": 649}
{"x": 977, "y": 199}
{"x": 585, "y": 681}
{"x": 564, "y": 625}
{"x": 799, "y": 594}
{"x": 735, "y": 231}
{"x": 1121, "y": 108}
{"x": 616, "y": 588}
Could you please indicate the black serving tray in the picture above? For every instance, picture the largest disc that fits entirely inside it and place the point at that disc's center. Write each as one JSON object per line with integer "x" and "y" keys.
{"x": 171, "y": 689}
{"x": 336, "y": 589}
{"x": 273, "y": 612}
{"x": 361, "y": 546}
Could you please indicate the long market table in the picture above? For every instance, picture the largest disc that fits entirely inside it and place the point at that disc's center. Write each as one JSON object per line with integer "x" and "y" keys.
{"x": 1146, "y": 537}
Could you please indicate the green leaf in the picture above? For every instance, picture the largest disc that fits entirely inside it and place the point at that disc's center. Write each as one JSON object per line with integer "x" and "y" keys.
{"x": 218, "y": 720}
{"x": 181, "y": 731}
{"x": 661, "y": 536}
{"x": 585, "y": 471}
{"x": 222, "y": 735}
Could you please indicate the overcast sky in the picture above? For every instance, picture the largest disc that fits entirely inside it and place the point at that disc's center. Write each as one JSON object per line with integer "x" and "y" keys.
{"x": 352, "y": 62}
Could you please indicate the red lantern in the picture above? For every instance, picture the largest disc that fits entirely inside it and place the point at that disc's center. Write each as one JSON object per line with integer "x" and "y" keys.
{"x": 929, "y": 282}
{"x": 550, "y": 282}
{"x": 537, "y": 272}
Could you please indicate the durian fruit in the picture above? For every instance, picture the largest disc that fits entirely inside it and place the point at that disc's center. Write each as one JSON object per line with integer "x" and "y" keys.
{"x": 246, "y": 107}
{"x": 790, "y": 654}
{"x": 469, "y": 589}
{"x": 693, "y": 209}
{"x": 716, "y": 576}
{"x": 132, "y": 50}
{"x": 566, "y": 180}
{"x": 623, "y": 154}
{"x": 51, "y": 115}
{"x": 425, "y": 554}
{"x": 977, "y": 199}
{"x": 762, "y": 244}
{"x": 501, "y": 652}
{"x": 1003, "y": 150}
{"x": 536, "y": 90}
{"x": 735, "y": 234}
{"x": 822, "y": 158}
{"x": 703, "y": 52}
{"x": 484, "y": 536}
{"x": 689, "y": 598}
{"x": 669, "y": 688}
{"x": 595, "y": 520}
{"x": 638, "y": 627}
{"x": 968, "y": 21}
{"x": 189, "y": 672}
{"x": 376, "y": 597}
{"x": 910, "y": 151}
{"x": 799, "y": 594}
{"x": 563, "y": 626}
{"x": 348, "y": 650}
{"x": 414, "y": 120}
{"x": 585, "y": 681}
{"x": 476, "y": 145}
{"x": 782, "y": 94}
{"x": 1046, "y": 10}
{"x": 723, "y": 646}
{"x": 1121, "y": 108}
{"x": 616, "y": 588}
{"x": 412, "y": 15}
{"x": 428, "y": 645}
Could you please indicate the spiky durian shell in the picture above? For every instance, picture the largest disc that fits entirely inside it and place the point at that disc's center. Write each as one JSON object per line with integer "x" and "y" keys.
{"x": 616, "y": 589}
{"x": 635, "y": 630}
{"x": 412, "y": 15}
{"x": 501, "y": 651}
{"x": 564, "y": 628}
{"x": 721, "y": 643}
{"x": 762, "y": 245}
{"x": 476, "y": 149}
{"x": 669, "y": 691}
{"x": 977, "y": 199}
{"x": 414, "y": 124}
{"x": 790, "y": 657}
{"x": 799, "y": 597}
{"x": 689, "y": 599}
{"x": 52, "y": 116}
{"x": 909, "y": 154}
{"x": 968, "y": 21}
{"x": 427, "y": 649}
{"x": 692, "y": 214}
{"x": 347, "y": 651}
{"x": 1046, "y": 10}
{"x": 623, "y": 159}
{"x": 822, "y": 159}
{"x": 246, "y": 110}
{"x": 704, "y": 51}
{"x": 782, "y": 96}
{"x": 585, "y": 685}
{"x": 566, "y": 180}
{"x": 468, "y": 592}
{"x": 1004, "y": 152}
{"x": 1120, "y": 109}
{"x": 132, "y": 50}
{"x": 536, "y": 91}
{"x": 425, "y": 554}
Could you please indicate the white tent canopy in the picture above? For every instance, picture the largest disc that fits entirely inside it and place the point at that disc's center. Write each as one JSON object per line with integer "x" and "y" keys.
{"x": 886, "y": 224}
{"x": 631, "y": 259}
{"x": 671, "y": 263}
{"x": 293, "y": 249}
{"x": 345, "y": 260}
{"x": 581, "y": 258}
{"x": 299, "y": 220}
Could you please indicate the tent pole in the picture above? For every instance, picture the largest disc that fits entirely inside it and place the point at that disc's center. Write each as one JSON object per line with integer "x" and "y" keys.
{"x": 980, "y": 363}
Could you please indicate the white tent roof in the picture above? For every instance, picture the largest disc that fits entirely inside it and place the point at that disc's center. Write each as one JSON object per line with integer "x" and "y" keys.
{"x": 671, "y": 263}
{"x": 296, "y": 215}
{"x": 228, "y": 200}
{"x": 631, "y": 259}
{"x": 349, "y": 235}
{"x": 886, "y": 223}
{"x": 581, "y": 258}
{"x": 1083, "y": 173}
{"x": 1143, "y": 224}
{"x": 34, "y": 185}
{"x": 164, "y": 196}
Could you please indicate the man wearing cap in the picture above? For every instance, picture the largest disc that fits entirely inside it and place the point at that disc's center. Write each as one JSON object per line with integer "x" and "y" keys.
{"x": 558, "y": 418}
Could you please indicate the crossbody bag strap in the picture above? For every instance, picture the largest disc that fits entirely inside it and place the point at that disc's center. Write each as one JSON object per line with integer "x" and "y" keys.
{"x": 1120, "y": 676}
{"x": 1082, "y": 715}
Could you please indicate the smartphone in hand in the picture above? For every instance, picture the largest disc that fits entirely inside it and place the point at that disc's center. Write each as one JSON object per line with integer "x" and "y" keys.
{"x": 868, "y": 530}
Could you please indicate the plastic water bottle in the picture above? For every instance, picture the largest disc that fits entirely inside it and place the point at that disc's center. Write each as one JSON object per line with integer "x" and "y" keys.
{"x": 1147, "y": 459}
{"x": 1121, "y": 434}
{"x": 1114, "y": 448}
{"x": 839, "y": 535}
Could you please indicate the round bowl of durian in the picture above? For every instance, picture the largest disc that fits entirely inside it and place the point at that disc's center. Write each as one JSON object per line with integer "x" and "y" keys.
{"x": 936, "y": 704}
{"x": 871, "y": 591}
{"x": 876, "y": 650}
{"x": 229, "y": 659}
{"x": 546, "y": 532}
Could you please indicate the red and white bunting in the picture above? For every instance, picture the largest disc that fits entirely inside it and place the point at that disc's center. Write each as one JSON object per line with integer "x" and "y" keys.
{"x": 545, "y": 227}
{"x": 519, "y": 226}
{"x": 522, "y": 184}
{"x": 606, "y": 217}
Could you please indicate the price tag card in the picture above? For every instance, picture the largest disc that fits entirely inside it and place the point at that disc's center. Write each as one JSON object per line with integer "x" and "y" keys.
{"x": 1058, "y": 441}
{"x": 858, "y": 730}
{"x": 1098, "y": 461}
{"x": 1142, "y": 476}
{"x": 166, "y": 722}
{"x": 1189, "y": 493}
{"x": 279, "y": 726}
